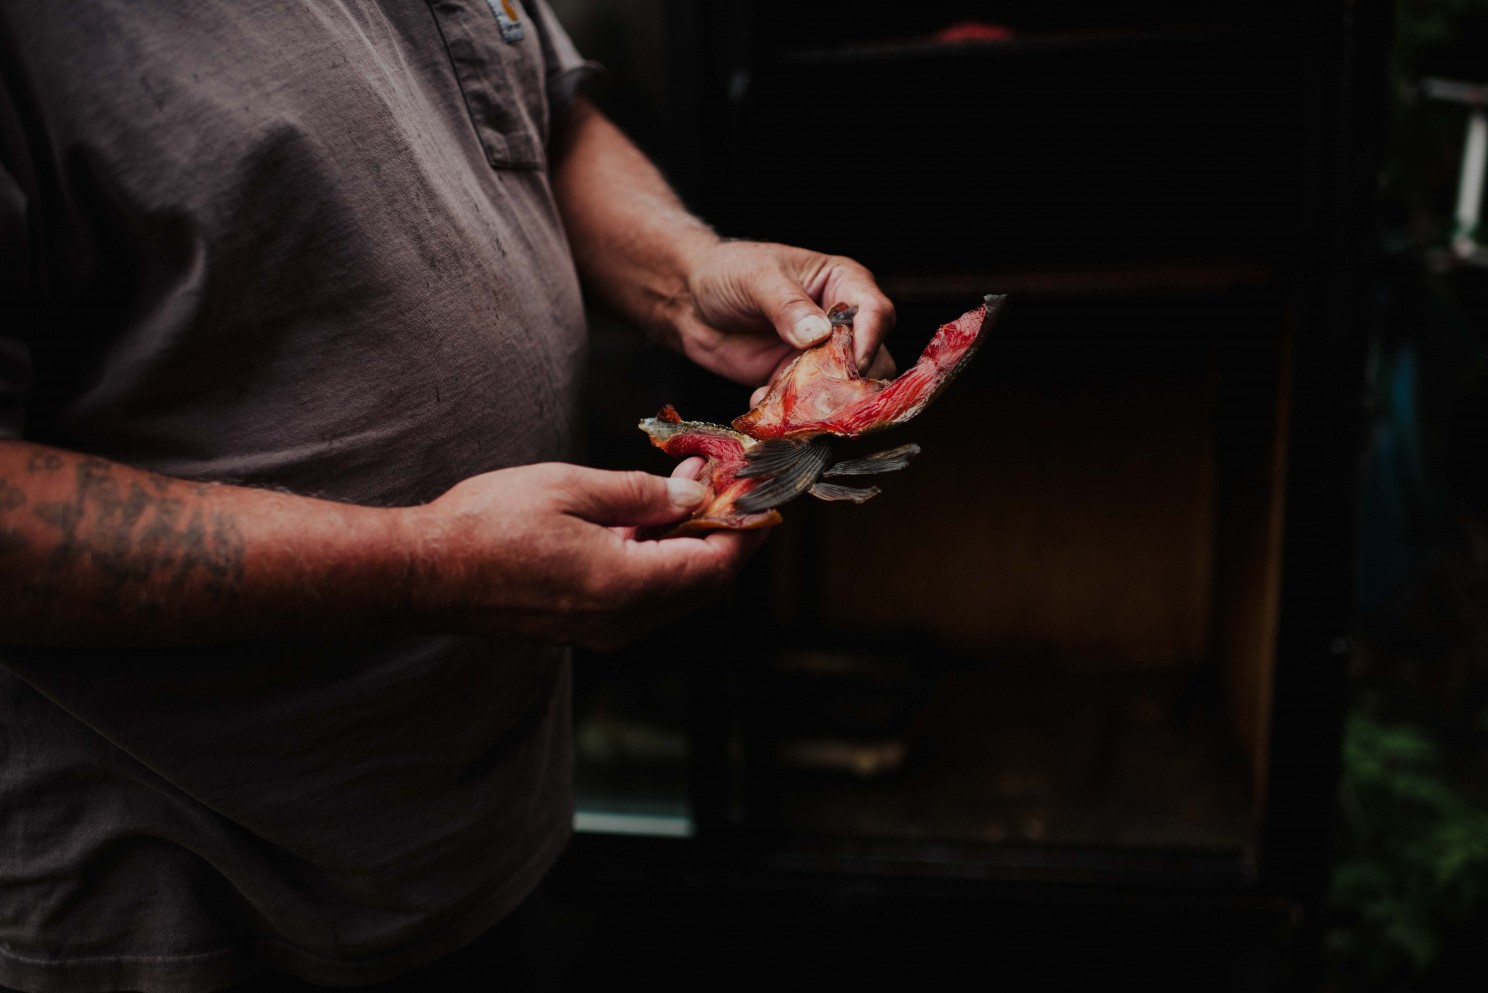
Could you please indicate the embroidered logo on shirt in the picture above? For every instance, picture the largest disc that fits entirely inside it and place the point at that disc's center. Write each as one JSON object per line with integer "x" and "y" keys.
{"x": 508, "y": 19}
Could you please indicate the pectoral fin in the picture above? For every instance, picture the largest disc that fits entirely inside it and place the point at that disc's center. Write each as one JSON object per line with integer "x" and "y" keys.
{"x": 770, "y": 458}
{"x": 792, "y": 481}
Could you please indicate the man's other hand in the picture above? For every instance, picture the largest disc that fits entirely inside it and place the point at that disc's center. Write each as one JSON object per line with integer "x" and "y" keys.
{"x": 548, "y": 552}
{"x": 751, "y": 307}
{"x": 741, "y": 309}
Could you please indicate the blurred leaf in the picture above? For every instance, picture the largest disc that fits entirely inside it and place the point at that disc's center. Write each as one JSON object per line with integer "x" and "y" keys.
{"x": 1414, "y": 857}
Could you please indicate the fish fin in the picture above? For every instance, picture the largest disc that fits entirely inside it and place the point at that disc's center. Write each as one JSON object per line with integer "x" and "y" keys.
{"x": 835, "y": 491}
{"x": 790, "y": 483}
{"x": 888, "y": 461}
{"x": 769, "y": 458}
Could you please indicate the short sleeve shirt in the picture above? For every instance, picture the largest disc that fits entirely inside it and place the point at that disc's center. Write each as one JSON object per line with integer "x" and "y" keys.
{"x": 311, "y": 246}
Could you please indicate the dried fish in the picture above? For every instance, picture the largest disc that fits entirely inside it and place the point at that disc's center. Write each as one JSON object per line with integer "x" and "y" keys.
{"x": 779, "y": 449}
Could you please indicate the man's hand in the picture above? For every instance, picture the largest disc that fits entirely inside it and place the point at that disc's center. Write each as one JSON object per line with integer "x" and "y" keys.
{"x": 548, "y": 552}
{"x": 751, "y": 306}
{"x": 97, "y": 553}
{"x": 740, "y": 309}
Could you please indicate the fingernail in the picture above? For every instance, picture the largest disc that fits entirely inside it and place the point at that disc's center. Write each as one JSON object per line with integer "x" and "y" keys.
{"x": 810, "y": 329}
{"x": 684, "y": 493}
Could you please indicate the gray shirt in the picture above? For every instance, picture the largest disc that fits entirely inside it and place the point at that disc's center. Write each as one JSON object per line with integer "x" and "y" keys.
{"x": 311, "y": 246}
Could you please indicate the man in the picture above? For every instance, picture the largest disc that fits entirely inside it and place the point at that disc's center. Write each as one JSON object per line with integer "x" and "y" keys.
{"x": 291, "y": 352}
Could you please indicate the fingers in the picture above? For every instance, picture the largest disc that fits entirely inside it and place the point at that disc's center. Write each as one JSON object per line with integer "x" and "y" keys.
{"x": 738, "y": 546}
{"x": 689, "y": 468}
{"x": 882, "y": 366}
{"x": 546, "y": 551}
{"x": 657, "y": 581}
{"x": 750, "y": 300}
{"x": 874, "y": 322}
{"x": 850, "y": 283}
{"x": 628, "y": 498}
{"x": 691, "y": 570}
{"x": 797, "y": 318}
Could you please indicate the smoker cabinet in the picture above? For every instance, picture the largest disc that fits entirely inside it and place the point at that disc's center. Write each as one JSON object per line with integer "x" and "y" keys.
{"x": 1073, "y": 683}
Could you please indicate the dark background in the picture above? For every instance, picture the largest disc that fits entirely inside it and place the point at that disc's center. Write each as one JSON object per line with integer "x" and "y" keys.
{"x": 1090, "y": 220}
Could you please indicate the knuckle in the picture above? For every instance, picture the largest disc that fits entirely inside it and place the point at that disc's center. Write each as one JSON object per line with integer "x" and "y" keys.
{"x": 851, "y": 267}
{"x": 551, "y": 474}
{"x": 638, "y": 488}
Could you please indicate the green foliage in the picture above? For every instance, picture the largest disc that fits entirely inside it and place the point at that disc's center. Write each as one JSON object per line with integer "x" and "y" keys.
{"x": 1414, "y": 858}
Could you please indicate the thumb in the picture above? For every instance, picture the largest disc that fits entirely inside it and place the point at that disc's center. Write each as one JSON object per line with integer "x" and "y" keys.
{"x": 796, "y": 317}
{"x": 631, "y": 498}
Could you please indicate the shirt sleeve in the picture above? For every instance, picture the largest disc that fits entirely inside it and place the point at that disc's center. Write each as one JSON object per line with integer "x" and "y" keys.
{"x": 567, "y": 69}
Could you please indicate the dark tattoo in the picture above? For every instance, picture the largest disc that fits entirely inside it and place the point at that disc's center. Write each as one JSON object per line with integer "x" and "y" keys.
{"x": 44, "y": 462}
{"x": 131, "y": 534}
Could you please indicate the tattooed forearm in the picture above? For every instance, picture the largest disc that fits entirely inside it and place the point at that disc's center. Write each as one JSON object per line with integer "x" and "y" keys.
{"x": 94, "y": 552}
{"x": 44, "y": 462}
{"x": 12, "y": 539}
{"x": 85, "y": 539}
{"x": 127, "y": 536}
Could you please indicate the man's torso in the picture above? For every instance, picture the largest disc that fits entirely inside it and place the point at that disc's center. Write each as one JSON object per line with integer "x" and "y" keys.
{"x": 310, "y": 246}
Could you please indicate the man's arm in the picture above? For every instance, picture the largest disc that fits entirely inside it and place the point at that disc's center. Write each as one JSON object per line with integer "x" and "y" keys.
{"x": 741, "y": 309}
{"x": 93, "y": 552}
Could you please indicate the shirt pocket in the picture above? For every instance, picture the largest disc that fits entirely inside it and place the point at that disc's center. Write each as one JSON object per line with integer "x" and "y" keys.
{"x": 501, "y": 75}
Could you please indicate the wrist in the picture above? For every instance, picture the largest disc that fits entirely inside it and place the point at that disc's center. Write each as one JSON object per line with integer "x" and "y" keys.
{"x": 673, "y": 298}
{"x": 421, "y": 566}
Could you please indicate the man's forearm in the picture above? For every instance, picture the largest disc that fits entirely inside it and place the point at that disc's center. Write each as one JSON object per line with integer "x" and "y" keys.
{"x": 93, "y": 552}
{"x": 632, "y": 238}
{"x": 740, "y": 309}
{"x": 96, "y": 553}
